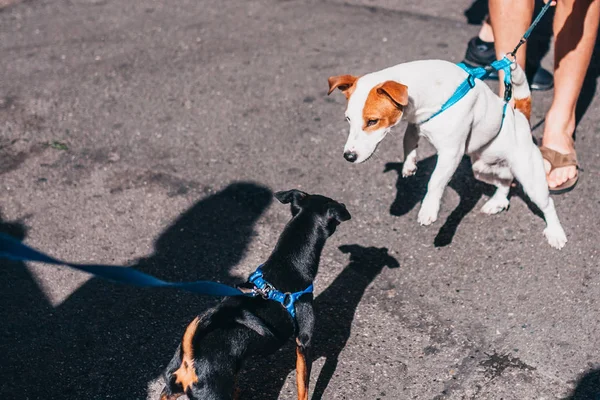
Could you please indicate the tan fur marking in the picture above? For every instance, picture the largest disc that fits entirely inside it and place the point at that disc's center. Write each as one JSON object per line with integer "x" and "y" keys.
{"x": 186, "y": 374}
{"x": 343, "y": 82}
{"x": 171, "y": 397}
{"x": 301, "y": 378}
{"x": 381, "y": 107}
{"x": 524, "y": 105}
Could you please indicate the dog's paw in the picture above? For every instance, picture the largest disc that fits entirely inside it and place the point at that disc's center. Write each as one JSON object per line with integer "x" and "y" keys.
{"x": 428, "y": 214}
{"x": 495, "y": 205}
{"x": 556, "y": 237}
{"x": 409, "y": 169}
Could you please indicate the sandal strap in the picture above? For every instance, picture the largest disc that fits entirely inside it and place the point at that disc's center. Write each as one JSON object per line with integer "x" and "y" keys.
{"x": 558, "y": 160}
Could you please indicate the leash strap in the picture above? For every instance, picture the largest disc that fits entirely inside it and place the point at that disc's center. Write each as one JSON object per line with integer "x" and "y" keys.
{"x": 268, "y": 291}
{"x": 531, "y": 27}
{"x": 13, "y": 249}
{"x": 498, "y": 65}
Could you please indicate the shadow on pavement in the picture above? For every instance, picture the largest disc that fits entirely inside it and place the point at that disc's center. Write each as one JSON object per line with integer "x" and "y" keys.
{"x": 335, "y": 308}
{"x": 588, "y": 387}
{"x": 109, "y": 341}
{"x": 411, "y": 190}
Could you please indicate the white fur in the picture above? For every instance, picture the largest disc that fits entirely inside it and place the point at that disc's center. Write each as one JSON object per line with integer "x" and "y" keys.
{"x": 499, "y": 152}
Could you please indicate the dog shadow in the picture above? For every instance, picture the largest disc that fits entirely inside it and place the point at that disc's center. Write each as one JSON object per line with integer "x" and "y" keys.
{"x": 588, "y": 387}
{"x": 335, "y": 308}
{"x": 410, "y": 191}
{"x": 107, "y": 340}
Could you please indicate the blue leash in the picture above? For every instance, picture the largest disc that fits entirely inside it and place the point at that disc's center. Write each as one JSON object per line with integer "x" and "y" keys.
{"x": 12, "y": 249}
{"x": 483, "y": 72}
{"x": 531, "y": 27}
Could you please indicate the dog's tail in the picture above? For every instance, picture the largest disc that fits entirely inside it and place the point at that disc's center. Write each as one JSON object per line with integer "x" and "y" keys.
{"x": 521, "y": 92}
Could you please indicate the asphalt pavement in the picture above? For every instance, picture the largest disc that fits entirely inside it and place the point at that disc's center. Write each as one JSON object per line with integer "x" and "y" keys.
{"x": 153, "y": 134}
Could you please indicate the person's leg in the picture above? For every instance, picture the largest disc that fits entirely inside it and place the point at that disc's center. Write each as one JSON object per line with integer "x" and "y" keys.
{"x": 510, "y": 19}
{"x": 486, "y": 33}
{"x": 575, "y": 30}
{"x": 481, "y": 51}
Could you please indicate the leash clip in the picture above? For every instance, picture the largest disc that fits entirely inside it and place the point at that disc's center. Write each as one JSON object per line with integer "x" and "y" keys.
{"x": 507, "y": 92}
{"x": 264, "y": 291}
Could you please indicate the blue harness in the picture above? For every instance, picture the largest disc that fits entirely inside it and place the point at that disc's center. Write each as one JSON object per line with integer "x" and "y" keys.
{"x": 268, "y": 292}
{"x": 469, "y": 83}
{"x": 13, "y": 249}
{"x": 483, "y": 72}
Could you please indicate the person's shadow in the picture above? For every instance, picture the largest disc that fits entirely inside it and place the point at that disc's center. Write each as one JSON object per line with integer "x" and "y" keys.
{"x": 588, "y": 387}
{"x": 335, "y": 308}
{"x": 107, "y": 340}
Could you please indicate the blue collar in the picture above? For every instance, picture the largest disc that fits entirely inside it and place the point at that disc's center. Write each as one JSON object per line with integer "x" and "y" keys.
{"x": 268, "y": 292}
{"x": 469, "y": 83}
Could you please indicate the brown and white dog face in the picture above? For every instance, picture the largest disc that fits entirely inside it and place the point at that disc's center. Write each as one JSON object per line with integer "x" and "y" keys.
{"x": 373, "y": 109}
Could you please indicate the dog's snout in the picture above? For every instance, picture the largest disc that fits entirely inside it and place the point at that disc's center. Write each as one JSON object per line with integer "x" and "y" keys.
{"x": 350, "y": 156}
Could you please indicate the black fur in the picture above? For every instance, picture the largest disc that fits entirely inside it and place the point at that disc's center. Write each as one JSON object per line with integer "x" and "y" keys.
{"x": 241, "y": 327}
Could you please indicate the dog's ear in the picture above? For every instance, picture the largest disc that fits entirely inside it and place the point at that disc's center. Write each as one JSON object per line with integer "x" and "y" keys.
{"x": 396, "y": 92}
{"x": 290, "y": 196}
{"x": 294, "y": 197}
{"x": 338, "y": 212}
{"x": 342, "y": 82}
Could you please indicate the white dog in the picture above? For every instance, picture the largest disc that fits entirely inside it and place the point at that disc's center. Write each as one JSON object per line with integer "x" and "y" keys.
{"x": 500, "y": 150}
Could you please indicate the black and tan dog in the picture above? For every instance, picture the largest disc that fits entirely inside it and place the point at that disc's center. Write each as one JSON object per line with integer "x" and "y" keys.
{"x": 216, "y": 343}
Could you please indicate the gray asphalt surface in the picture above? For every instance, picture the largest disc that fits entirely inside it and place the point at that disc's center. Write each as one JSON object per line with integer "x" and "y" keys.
{"x": 152, "y": 134}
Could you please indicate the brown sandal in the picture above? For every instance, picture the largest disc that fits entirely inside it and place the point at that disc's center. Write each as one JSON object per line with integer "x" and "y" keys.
{"x": 559, "y": 160}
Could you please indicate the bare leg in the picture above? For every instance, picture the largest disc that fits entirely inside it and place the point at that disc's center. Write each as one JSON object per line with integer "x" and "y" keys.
{"x": 575, "y": 30}
{"x": 486, "y": 33}
{"x": 510, "y": 19}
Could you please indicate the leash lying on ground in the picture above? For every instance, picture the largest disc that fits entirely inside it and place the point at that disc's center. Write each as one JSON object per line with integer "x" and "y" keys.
{"x": 13, "y": 249}
{"x": 482, "y": 72}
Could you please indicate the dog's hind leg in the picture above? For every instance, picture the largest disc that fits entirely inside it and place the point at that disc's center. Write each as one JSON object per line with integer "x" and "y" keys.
{"x": 172, "y": 390}
{"x": 410, "y": 143}
{"x": 498, "y": 202}
{"x": 498, "y": 175}
{"x": 528, "y": 167}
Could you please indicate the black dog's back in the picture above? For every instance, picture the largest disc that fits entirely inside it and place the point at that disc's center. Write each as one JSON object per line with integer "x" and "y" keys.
{"x": 216, "y": 343}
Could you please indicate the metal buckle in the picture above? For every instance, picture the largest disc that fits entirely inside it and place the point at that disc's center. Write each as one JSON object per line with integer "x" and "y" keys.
{"x": 264, "y": 292}
{"x": 512, "y": 57}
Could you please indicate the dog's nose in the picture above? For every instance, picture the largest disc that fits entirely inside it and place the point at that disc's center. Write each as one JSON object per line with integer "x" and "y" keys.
{"x": 350, "y": 156}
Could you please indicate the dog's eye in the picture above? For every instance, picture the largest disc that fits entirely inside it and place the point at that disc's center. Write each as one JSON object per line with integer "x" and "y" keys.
{"x": 348, "y": 119}
{"x": 372, "y": 122}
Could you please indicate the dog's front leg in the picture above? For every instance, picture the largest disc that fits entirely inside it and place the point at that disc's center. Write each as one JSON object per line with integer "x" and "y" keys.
{"x": 305, "y": 318}
{"x": 447, "y": 163}
{"x": 410, "y": 142}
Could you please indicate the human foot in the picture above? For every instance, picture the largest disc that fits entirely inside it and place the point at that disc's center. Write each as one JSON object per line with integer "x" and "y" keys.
{"x": 560, "y": 162}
